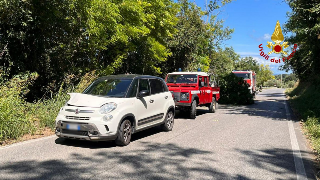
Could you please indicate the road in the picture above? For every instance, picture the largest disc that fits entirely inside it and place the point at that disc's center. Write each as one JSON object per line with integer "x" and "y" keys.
{"x": 237, "y": 142}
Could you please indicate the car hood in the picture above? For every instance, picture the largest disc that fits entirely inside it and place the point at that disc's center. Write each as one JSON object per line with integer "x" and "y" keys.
{"x": 87, "y": 100}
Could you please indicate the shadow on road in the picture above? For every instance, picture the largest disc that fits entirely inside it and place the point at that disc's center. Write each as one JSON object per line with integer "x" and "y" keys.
{"x": 277, "y": 160}
{"x": 267, "y": 105}
{"x": 185, "y": 115}
{"x": 106, "y": 144}
{"x": 149, "y": 161}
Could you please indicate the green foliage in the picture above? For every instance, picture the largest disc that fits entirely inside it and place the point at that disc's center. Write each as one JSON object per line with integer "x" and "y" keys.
{"x": 222, "y": 61}
{"x": 247, "y": 63}
{"x": 196, "y": 42}
{"x": 58, "y": 37}
{"x": 304, "y": 23}
{"x": 272, "y": 83}
{"x": 305, "y": 99}
{"x": 264, "y": 74}
{"x": 233, "y": 90}
{"x": 15, "y": 116}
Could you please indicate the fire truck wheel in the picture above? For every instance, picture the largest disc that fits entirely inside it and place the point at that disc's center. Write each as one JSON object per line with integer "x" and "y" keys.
{"x": 212, "y": 107}
{"x": 193, "y": 109}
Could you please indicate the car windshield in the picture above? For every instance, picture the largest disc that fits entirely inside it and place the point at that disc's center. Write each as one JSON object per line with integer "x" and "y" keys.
{"x": 109, "y": 87}
{"x": 182, "y": 78}
{"x": 243, "y": 75}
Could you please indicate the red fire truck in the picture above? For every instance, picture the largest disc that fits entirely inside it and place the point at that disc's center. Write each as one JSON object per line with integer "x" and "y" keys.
{"x": 249, "y": 77}
{"x": 192, "y": 89}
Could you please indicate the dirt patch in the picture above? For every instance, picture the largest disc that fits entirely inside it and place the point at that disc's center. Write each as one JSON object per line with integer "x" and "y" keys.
{"x": 42, "y": 133}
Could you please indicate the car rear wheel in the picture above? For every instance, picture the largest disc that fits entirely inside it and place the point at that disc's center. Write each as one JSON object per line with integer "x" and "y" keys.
{"x": 124, "y": 135}
{"x": 193, "y": 109}
{"x": 168, "y": 123}
{"x": 213, "y": 106}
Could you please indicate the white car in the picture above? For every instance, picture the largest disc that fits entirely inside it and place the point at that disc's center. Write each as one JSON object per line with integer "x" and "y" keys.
{"x": 114, "y": 107}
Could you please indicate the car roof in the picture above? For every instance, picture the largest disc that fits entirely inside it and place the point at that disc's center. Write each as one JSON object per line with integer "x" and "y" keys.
{"x": 195, "y": 73}
{"x": 127, "y": 76}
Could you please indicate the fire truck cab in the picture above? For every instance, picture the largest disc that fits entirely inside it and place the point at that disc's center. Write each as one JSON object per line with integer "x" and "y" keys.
{"x": 249, "y": 77}
{"x": 192, "y": 89}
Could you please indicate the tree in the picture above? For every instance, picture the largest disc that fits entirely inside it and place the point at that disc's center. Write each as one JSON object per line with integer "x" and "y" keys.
{"x": 247, "y": 63}
{"x": 222, "y": 61}
{"x": 196, "y": 41}
{"x": 264, "y": 74}
{"x": 56, "y": 38}
{"x": 304, "y": 23}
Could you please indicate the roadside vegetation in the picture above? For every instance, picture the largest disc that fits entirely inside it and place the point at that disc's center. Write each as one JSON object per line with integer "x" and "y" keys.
{"x": 305, "y": 64}
{"x": 305, "y": 100}
{"x": 50, "y": 48}
{"x": 234, "y": 90}
{"x": 288, "y": 81}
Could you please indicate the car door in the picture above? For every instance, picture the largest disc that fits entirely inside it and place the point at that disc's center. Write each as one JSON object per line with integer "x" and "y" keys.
{"x": 202, "y": 94}
{"x": 159, "y": 98}
{"x": 207, "y": 90}
{"x": 144, "y": 105}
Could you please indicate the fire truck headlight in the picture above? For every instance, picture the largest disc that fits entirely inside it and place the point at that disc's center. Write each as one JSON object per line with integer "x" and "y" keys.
{"x": 184, "y": 97}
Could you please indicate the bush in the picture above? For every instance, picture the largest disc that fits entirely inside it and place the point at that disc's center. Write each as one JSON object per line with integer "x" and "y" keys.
{"x": 234, "y": 90}
{"x": 15, "y": 117}
{"x": 305, "y": 98}
{"x": 47, "y": 110}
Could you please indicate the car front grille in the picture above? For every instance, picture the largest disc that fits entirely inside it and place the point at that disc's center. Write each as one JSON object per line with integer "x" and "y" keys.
{"x": 74, "y": 132}
{"x": 78, "y": 118}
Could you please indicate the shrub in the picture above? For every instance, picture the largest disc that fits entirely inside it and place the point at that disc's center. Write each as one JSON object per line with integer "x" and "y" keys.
{"x": 234, "y": 90}
{"x": 48, "y": 109}
{"x": 15, "y": 117}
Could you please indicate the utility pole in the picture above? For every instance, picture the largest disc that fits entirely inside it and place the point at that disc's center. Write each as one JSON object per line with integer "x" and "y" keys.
{"x": 281, "y": 81}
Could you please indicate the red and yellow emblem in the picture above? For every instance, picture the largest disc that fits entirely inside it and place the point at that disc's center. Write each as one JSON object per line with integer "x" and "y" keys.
{"x": 277, "y": 37}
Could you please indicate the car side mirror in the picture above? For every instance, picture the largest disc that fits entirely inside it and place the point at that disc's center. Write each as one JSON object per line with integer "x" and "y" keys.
{"x": 143, "y": 93}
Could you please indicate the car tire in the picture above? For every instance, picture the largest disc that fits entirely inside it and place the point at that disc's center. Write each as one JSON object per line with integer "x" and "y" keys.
{"x": 168, "y": 122}
{"x": 213, "y": 106}
{"x": 193, "y": 109}
{"x": 124, "y": 134}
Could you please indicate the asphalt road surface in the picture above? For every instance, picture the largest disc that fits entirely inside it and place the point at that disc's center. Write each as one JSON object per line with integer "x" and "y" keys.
{"x": 259, "y": 141}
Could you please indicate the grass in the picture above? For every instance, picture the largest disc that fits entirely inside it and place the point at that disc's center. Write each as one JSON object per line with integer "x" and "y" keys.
{"x": 305, "y": 99}
{"x": 18, "y": 117}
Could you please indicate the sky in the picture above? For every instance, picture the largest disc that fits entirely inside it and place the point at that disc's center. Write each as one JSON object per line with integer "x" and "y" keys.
{"x": 253, "y": 22}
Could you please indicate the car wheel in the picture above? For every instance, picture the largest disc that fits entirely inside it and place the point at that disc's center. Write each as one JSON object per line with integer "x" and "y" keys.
{"x": 169, "y": 121}
{"x": 124, "y": 134}
{"x": 193, "y": 109}
{"x": 213, "y": 106}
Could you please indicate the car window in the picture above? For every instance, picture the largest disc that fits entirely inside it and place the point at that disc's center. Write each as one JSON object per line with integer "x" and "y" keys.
{"x": 206, "y": 81}
{"x": 200, "y": 80}
{"x": 133, "y": 89}
{"x": 156, "y": 86}
{"x": 109, "y": 87}
{"x": 144, "y": 85}
{"x": 164, "y": 85}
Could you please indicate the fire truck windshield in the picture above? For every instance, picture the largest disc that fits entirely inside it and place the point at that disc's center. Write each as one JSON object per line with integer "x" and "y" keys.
{"x": 182, "y": 78}
{"x": 243, "y": 75}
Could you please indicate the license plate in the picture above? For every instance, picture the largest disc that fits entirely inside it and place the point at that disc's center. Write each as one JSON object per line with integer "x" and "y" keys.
{"x": 73, "y": 126}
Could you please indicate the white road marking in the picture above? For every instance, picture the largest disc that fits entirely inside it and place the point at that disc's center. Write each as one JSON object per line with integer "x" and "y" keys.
{"x": 300, "y": 170}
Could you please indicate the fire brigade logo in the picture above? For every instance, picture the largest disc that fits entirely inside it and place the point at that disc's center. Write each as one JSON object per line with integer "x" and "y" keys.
{"x": 277, "y": 37}
{"x": 277, "y": 47}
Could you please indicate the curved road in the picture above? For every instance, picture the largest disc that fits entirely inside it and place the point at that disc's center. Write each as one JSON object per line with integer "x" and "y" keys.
{"x": 258, "y": 141}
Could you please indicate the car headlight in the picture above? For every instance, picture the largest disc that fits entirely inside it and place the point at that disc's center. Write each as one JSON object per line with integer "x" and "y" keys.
{"x": 106, "y": 108}
{"x": 185, "y": 96}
